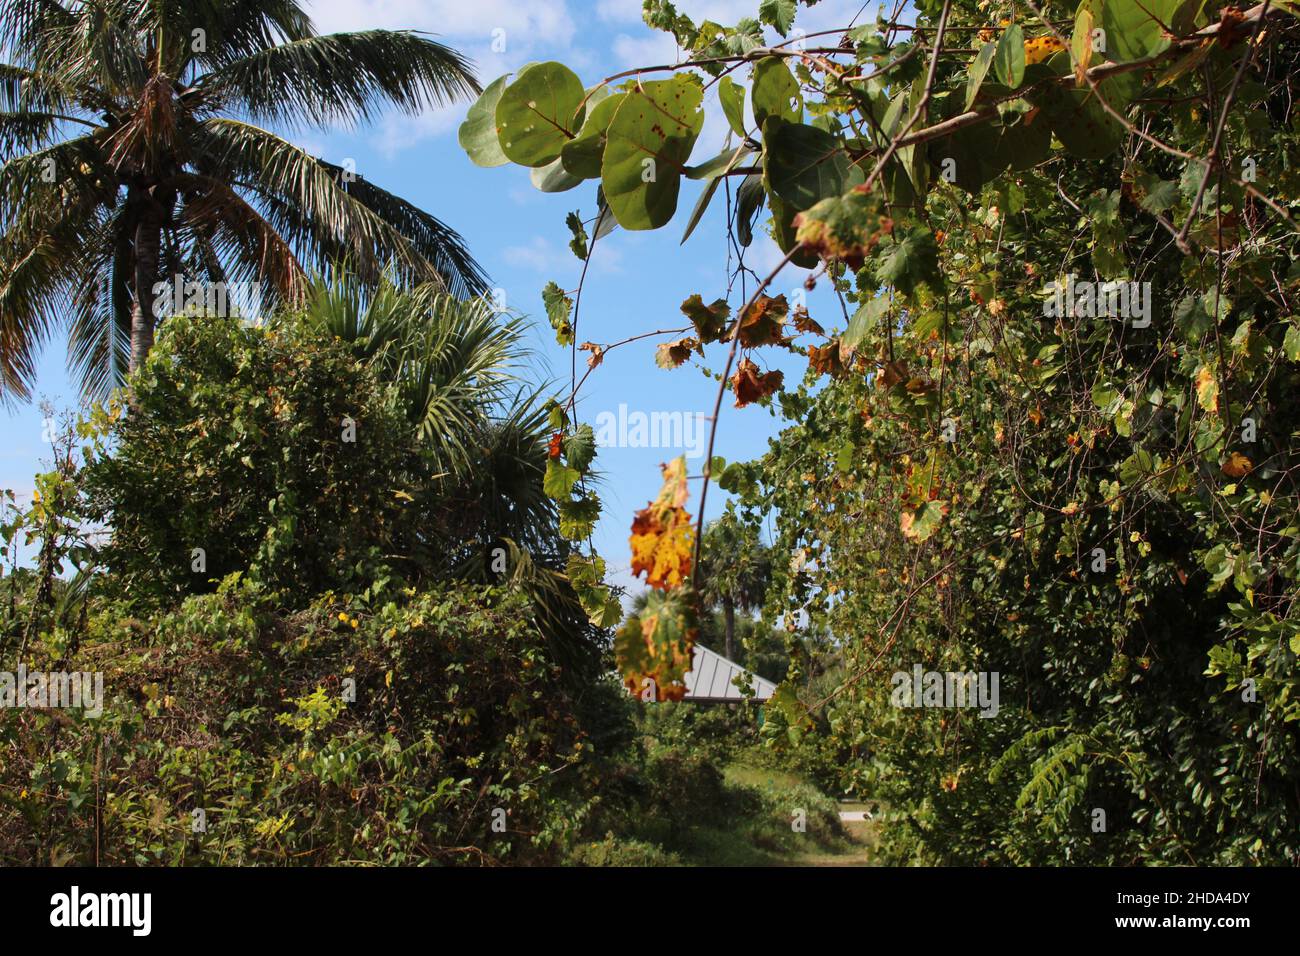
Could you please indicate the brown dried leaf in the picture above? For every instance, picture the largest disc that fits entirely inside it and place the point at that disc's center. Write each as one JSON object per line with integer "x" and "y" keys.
{"x": 750, "y": 385}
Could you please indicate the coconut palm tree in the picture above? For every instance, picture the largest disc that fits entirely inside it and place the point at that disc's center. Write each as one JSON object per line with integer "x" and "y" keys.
{"x": 133, "y": 147}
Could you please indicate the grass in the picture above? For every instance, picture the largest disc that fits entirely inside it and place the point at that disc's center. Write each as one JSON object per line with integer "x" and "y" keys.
{"x": 768, "y": 838}
{"x": 743, "y": 775}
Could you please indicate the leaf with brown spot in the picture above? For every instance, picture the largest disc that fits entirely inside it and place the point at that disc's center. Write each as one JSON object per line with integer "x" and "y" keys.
{"x": 1039, "y": 49}
{"x": 845, "y": 227}
{"x": 662, "y": 537}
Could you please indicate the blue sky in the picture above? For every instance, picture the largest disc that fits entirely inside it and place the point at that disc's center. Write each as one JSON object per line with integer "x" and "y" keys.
{"x": 637, "y": 281}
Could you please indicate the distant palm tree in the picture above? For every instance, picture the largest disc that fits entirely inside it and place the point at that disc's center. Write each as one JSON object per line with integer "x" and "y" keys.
{"x": 130, "y": 153}
{"x": 735, "y": 570}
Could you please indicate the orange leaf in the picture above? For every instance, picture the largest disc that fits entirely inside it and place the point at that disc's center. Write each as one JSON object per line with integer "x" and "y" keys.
{"x": 826, "y": 359}
{"x": 750, "y": 386}
{"x": 762, "y": 322}
{"x": 803, "y": 322}
{"x": 1040, "y": 48}
{"x": 1237, "y": 465}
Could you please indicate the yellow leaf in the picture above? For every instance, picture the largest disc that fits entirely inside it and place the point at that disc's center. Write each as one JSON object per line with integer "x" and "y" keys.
{"x": 1040, "y": 48}
{"x": 1207, "y": 389}
{"x": 662, "y": 537}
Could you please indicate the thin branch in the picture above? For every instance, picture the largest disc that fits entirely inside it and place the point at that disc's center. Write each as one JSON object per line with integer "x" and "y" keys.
{"x": 1212, "y": 159}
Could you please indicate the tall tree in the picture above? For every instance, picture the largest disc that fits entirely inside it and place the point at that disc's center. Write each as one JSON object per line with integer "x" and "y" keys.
{"x": 132, "y": 151}
{"x": 736, "y": 568}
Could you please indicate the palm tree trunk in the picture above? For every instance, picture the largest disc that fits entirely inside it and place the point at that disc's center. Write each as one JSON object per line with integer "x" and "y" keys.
{"x": 729, "y": 615}
{"x": 148, "y": 240}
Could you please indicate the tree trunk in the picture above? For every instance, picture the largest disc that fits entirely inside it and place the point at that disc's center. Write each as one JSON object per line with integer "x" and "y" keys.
{"x": 729, "y": 615}
{"x": 148, "y": 240}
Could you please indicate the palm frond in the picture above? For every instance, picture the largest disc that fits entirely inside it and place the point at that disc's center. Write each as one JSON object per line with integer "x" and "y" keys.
{"x": 99, "y": 322}
{"x": 25, "y": 89}
{"x": 341, "y": 78}
{"x": 450, "y": 360}
{"x": 324, "y": 217}
{"x": 29, "y": 26}
{"x": 228, "y": 30}
{"x": 26, "y": 130}
{"x": 240, "y": 241}
{"x": 35, "y": 276}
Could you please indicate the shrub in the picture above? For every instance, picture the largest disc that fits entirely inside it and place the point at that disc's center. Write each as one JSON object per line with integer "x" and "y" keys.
{"x": 234, "y": 707}
{"x": 239, "y": 444}
{"x": 620, "y": 851}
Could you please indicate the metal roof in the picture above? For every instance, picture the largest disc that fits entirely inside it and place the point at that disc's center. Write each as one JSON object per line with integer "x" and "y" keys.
{"x": 711, "y": 679}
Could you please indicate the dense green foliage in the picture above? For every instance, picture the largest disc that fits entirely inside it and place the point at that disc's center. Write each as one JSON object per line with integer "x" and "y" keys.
{"x": 261, "y": 477}
{"x": 351, "y": 677}
{"x": 996, "y": 462}
{"x": 228, "y": 705}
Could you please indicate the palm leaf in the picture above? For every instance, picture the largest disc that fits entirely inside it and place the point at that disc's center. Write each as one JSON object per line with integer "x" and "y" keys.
{"x": 324, "y": 217}
{"x": 342, "y": 78}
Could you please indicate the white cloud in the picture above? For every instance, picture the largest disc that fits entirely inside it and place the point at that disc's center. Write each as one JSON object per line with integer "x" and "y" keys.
{"x": 498, "y": 36}
{"x": 648, "y": 49}
{"x": 555, "y": 260}
{"x": 399, "y": 131}
{"x": 619, "y": 11}
{"x": 524, "y": 23}
{"x": 538, "y": 254}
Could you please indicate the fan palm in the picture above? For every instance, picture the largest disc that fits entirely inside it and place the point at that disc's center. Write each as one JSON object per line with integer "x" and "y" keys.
{"x": 456, "y": 367}
{"x": 455, "y": 363}
{"x": 131, "y": 151}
